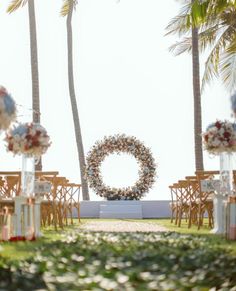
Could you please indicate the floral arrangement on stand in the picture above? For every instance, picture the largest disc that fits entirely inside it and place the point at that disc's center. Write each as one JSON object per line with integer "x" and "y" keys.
{"x": 120, "y": 144}
{"x": 7, "y": 109}
{"x": 219, "y": 137}
{"x": 30, "y": 139}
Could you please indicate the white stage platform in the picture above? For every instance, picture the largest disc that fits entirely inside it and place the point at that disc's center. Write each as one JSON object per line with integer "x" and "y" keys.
{"x": 120, "y": 209}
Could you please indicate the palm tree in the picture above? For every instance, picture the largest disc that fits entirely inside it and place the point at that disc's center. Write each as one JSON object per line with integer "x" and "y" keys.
{"x": 216, "y": 20}
{"x": 67, "y": 10}
{"x": 174, "y": 27}
{"x": 15, "y": 4}
{"x": 197, "y": 101}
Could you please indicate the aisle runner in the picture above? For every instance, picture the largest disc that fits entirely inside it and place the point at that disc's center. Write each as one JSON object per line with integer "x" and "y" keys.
{"x": 123, "y": 226}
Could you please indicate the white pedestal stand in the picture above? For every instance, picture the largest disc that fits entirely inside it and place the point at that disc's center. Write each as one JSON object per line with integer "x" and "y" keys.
{"x": 37, "y": 217}
{"x": 226, "y": 188}
{"x": 27, "y": 206}
{"x": 219, "y": 214}
{"x": 19, "y": 202}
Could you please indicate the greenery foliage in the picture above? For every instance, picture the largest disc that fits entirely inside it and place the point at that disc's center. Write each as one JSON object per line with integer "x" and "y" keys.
{"x": 215, "y": 20}
{"x": 123, "y": 261}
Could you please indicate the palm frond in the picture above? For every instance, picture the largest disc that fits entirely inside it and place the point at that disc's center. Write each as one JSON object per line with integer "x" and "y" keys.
{"x": 66, "y": 7}
{"x": 204, "y": 12}
{"x": 232, "y": 47}
{"x": 207, "y": 38}
{"x": 181, "y": 24}
{"x": 199, "y": 12}
{"x": 213, "y": 60}
{"x": 217, "y": 6}
{"x": 211, "y": 67}
{"x": 15, "y": 4}
{"x": 181, "y": 46}
{"x": 228, "y": 67}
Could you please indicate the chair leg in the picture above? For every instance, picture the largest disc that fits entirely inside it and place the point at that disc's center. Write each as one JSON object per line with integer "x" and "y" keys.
{"x": 180, "y": 216}
{"x": 177, "y": 215}
{"x": 190, "y": 218}
{"x": 78, "y": 211}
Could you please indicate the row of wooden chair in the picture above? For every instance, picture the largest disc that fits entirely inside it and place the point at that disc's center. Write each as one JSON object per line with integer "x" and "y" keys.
{"x": 57, "y": 206}
{"x": 190, "y": 202}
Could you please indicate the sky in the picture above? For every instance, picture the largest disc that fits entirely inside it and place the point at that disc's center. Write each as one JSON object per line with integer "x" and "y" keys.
{"x": 126, "y": 81}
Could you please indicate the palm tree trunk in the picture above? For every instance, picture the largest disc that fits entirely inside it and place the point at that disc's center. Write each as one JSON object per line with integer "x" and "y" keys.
{"x": 197, "y": 102}
{"x": 34, "y": 69}
{"x": 75, "y": 113}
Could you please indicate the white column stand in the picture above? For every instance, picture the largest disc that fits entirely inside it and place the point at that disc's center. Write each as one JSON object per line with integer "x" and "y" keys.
{"x": 226, "y": 188}
{"x": 219, "y": 214}
{"x": 26, "y": 214}
{"x": 19, "y": 201}
{"x": 37, "y": 217}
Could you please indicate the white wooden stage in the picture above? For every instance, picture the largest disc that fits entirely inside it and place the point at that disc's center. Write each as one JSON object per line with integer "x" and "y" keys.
{"x": 125, "y": 209}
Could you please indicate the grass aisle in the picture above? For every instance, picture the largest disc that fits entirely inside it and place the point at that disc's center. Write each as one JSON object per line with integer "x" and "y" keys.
{"x": 79, "y": 260}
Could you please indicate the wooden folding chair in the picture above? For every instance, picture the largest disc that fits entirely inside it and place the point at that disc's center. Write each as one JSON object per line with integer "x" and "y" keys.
{"x": 205, "y": 201}
{"x": 184, "y": 206}
{"x": 180, "y": 203}
{"x": 194, "y": 192}
{"x": 48, "y": 204}
{"x": 9, "y": 188}
{"x": 72, "y": 200}
{"x": 2, "y": 187}
{"x": 173, "y": 203}
{"x": 56, "y": 196}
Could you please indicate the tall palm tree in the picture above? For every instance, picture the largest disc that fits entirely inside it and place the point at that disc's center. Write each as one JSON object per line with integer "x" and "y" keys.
{"x": 174, "y": 27}
{"x": 197, "y": 101}
{"x": 216, "y": 20}
{"x": 67, "y": 10}
{"x": 15, "y": 4}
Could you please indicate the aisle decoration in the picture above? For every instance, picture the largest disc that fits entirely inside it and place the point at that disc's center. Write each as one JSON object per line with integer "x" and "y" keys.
{"x": 7, "y": 109}
{"x": 220, "y": 139}
{"x": 28, "y": 138}
{"x": 120, "y": 144}
{"x": 31, "y": 141}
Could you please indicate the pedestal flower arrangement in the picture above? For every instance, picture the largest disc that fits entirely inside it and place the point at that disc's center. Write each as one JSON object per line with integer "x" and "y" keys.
{"x": 31, "y": 141}
{"x": 220, "y": 139}
{"x": 7, "y": 109}
{"x": 121, "y": 144}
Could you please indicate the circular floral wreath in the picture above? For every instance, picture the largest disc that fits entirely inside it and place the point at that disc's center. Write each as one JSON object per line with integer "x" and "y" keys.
{"x": 121, "y": 144}
{"x": 220, "y": 136}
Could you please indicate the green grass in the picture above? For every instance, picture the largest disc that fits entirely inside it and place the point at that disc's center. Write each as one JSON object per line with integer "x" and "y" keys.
{"x": 204, "y": 231}
{"x": 26, "y": 249}
{"x": 123, "y": 261}
{"x": 72, "y": 259}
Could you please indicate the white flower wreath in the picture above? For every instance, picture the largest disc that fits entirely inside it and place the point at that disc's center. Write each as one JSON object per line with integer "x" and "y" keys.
{"x": 121, "y": 144}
